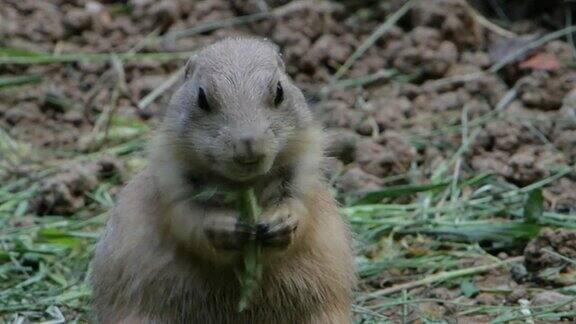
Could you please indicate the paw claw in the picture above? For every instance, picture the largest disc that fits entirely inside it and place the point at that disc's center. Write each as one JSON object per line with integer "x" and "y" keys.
{"x": 277, "y": 233}
{"x": 262, "y": 228}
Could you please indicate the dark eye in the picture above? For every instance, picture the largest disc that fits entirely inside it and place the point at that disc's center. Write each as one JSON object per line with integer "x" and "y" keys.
{"x": 202, "y": 100}
{"x": 279, "y": 94}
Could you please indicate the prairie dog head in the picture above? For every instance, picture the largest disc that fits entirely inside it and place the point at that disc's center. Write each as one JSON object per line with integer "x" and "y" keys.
{"x": 236, "y": 112}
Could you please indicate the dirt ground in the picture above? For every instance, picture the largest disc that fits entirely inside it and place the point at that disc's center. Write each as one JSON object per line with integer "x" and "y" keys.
{"x": 433, "y": 79}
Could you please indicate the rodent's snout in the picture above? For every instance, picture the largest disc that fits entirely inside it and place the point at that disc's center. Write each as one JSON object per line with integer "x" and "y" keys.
{"x": 248, "y": 150}
{"x": 250, "y": 153}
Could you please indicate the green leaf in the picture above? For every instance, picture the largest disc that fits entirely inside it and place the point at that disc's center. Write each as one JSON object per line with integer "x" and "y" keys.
{"x": 468, "y": 288}
{"x": 12, "y": 81}
{"x": 61, "y": 102}
{"x": 20, "y": 52}
{"x": 58, "y": 237}
{"x": 4, "y": 256}
{"x": 375, "y": 196}
{"x": 534, "y": 207}
{"x": 499, "y": 234}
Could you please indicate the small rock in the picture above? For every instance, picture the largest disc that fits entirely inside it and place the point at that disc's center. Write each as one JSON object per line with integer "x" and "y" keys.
{"x": 365, "y": 127}
{"x": 327, "y": 49}
{"x": 487, "y": 299}
{"x": 357, "y": 180}
{"x": 502, "y": 256}
{"x": 342, "y": 145}
{"x": 166, "y": 12}
{"x": 519, "y": 293}
{"x": 78, "y": 19}
{"x": 74, "y": 117}
{"x": 432, "y": 310}
{"x": 331, "y": 167}
{"x": 570, "y": 99}
{"x": 64, "y": 193}
{"x": 442, "y": 293}
{"x": 94, "y": 7}
{"x": 562, "y": 241}
{"x": 390, "y": 112}
{"x": 337, "y": 113}
{"x": 519, "y": 273}
{"x": 543, "y": 91}
{"x": 551, "y": 297}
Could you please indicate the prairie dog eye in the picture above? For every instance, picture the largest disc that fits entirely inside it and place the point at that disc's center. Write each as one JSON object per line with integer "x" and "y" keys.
{"x": 202, "y": 100}
{"x": 279, "y": 94}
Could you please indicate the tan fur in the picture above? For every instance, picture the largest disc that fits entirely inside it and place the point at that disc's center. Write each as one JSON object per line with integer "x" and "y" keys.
{"x": 155, "y": 263}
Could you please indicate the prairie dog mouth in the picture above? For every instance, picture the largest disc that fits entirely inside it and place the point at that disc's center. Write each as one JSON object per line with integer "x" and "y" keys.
{"x": 245, "y": 170}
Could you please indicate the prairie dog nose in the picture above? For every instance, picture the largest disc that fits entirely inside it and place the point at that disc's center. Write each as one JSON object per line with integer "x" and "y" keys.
{"x": 248, "y": 150}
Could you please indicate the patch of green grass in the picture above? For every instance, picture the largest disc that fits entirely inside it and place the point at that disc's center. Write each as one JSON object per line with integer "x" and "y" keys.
{"x": 44, "y": 259}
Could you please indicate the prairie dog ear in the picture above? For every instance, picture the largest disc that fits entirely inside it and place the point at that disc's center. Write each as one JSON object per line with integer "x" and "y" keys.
{"x": 190, "y": 67}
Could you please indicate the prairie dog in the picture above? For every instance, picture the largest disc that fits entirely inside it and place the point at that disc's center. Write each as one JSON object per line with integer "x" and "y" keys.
{"x": 169, "y": 255}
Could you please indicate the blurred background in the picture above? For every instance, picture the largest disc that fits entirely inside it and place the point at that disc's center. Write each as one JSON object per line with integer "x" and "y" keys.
{"x": 452, "y": 145}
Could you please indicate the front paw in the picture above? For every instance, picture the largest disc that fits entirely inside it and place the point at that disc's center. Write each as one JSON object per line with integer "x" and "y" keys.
{"x": 277, "y": 229}
{"x": 227, "y": 233}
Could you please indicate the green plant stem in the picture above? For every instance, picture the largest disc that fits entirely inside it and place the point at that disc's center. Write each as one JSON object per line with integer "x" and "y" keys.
{"x": 379, "y": 32}
{"x": 252, "y": 272}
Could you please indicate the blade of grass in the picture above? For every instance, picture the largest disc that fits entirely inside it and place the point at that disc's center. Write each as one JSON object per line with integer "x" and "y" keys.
{"x": 6, "y": 82}
{"x": 366, "y": 79}
{"x": 217, "y": 24}
{"x": 148, "y": 99}
{"x": 212, "y": 25}
{"x": 375, "y": 196}
{"x": 75, "y": 57}
{"x": 534, "y": 207}
{"x": 503, "y": 233}
{"x": 530, "y": 46}
{"x": 442, "y": 276}
{"x": 15, "y": 51}
{"x": 371, "y": 197}
{"x": 539, "y": 184}
{"x": 376, "y": 34}
{"x": 560, "y": 256}
{"x": 486, "y": 23}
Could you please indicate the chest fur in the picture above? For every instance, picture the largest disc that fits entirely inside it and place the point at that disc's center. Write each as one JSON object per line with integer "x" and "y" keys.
{"x": 285, "y": 296}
